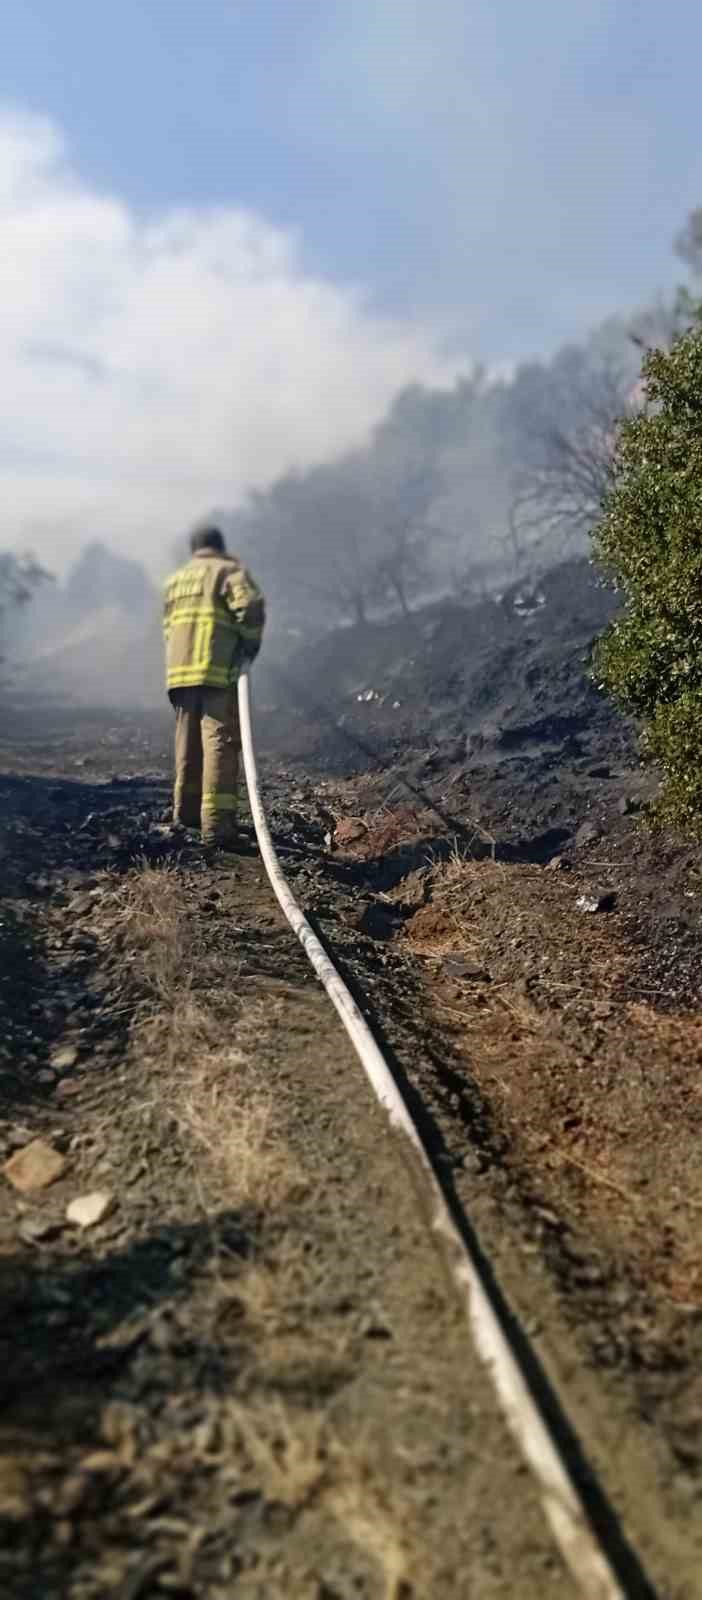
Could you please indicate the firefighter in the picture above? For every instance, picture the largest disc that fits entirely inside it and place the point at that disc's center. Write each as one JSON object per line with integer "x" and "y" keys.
{"x": 213, "y": 622}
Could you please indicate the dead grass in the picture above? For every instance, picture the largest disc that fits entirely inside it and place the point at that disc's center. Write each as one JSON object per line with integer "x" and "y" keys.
{"x": 605, "y": 1114}
{"x": 236, "y": 1131}
{"x": 448, "y": 922}
{"x": 379, "y": 833}
{"x": 292, "y": 1461}
{"x": 153, "y": 929}
{"x": 218, "y": 1106}
{"x": 304, "y": 1464}
{"x": 335, "y": 1491}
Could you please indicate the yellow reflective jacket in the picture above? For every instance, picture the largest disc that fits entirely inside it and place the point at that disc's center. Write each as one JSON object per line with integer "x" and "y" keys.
{"x": 213, "y": 621}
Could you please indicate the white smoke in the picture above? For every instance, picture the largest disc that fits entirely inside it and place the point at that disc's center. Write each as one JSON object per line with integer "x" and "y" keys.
{"x": 154, "y": 368}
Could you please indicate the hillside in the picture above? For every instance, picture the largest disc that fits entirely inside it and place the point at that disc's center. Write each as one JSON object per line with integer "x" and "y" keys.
{"x": 493, "y": 701}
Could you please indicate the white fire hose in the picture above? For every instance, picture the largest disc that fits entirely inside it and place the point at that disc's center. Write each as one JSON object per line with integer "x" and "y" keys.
{"x": 561, "y": 1502}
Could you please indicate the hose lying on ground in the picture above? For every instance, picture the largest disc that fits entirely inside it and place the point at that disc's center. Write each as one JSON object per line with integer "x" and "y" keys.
{"x": 579, "y": 1545}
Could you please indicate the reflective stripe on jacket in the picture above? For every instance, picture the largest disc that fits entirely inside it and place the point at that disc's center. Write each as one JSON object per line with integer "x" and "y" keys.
{"x": 213, "y": 621}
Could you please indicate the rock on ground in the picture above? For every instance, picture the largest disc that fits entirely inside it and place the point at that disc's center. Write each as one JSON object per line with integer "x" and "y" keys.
{"x": 34, "y": 1167}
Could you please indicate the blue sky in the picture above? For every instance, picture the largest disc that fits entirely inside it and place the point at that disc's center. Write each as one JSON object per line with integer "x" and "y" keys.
{"x": 452, "y": 178}
{"x": 523, "y": 163}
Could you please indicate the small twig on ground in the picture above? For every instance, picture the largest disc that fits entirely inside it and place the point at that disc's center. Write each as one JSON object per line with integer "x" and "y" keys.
{"x": 599, "y": 1177}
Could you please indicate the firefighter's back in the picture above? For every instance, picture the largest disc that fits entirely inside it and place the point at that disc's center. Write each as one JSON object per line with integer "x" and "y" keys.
{"x": 202, "y": 633}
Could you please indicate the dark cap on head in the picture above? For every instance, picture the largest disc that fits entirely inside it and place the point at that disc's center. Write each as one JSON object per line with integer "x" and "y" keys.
{"x": 207, "y": 537}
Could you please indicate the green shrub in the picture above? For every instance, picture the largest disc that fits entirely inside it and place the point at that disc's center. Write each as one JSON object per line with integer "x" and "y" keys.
{"x": 650, "y": 542}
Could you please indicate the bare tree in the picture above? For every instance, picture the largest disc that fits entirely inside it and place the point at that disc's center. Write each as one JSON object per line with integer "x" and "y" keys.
{"x": 658, "y": 326}
{"x": 568, "y": 437}
{"x": 405, "y": 487}
{"x": 688, "y": 245}
{"x": 328, "y": 549}
{"x": 19, "y": 577}
{"x": 345, "y": 578}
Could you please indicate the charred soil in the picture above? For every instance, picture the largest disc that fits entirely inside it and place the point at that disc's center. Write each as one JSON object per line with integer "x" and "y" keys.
{"x": 235, "y": 1368}
{"x": 297, "y": 1410}
{"x": 488, "y": 866}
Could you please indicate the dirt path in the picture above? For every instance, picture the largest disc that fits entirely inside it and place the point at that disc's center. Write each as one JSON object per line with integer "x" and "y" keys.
{"x": 566, "y": 1110}
{"x": 248, "y": 1378}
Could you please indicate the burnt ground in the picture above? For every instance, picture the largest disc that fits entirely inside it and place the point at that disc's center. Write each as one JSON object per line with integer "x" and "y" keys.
{"x": 249, "y": 1377}
{"x": 435, "y": 833}
{"x": 565, "y": 1089}
{"x": 474, "y": 799}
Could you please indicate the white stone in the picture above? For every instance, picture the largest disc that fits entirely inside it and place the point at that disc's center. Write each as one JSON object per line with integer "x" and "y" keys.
{"x": 64, "y": 1058}
{"x": 87, "y": 1209}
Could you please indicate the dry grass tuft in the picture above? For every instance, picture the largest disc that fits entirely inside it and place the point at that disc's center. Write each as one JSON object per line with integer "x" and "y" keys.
{"x": 381, "y": 832}
{"x": 300, "y": 1463}
{"x": 152, "y": 928}
{"x": 288, "y": 1459}
{"x": 236, "y": 1131}
{"x": 597, "y": 1097}
{"x": 216, "y": 1103}
{"x": 448, "y": 922}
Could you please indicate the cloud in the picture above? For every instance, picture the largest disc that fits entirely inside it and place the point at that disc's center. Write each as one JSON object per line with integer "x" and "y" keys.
{"x": 155, "y": 367}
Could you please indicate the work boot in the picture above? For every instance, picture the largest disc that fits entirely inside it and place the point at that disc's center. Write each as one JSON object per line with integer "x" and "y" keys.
{"x": 233, "y": 844}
